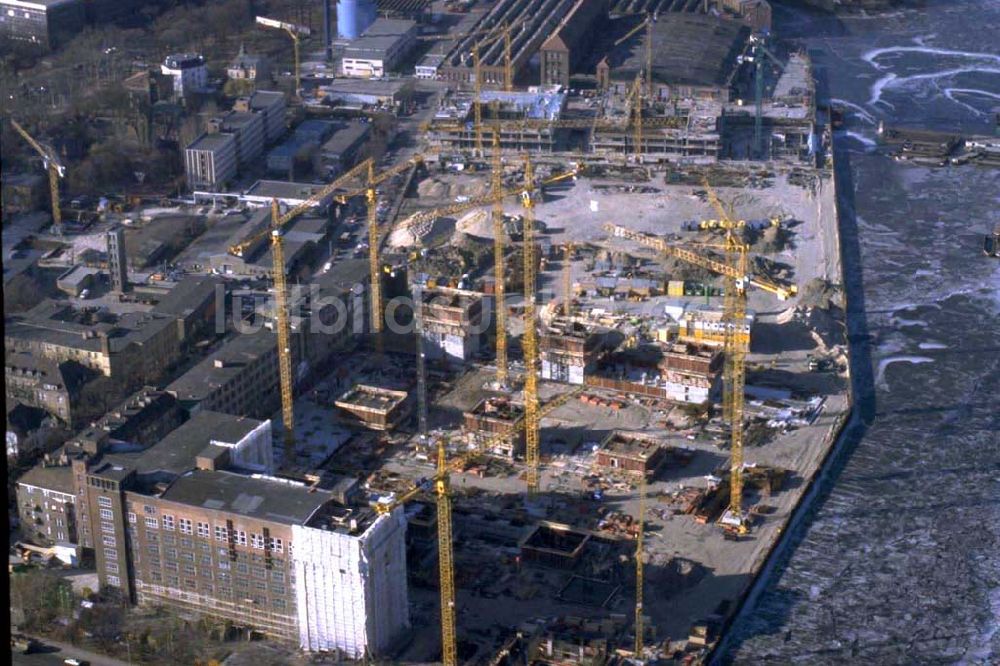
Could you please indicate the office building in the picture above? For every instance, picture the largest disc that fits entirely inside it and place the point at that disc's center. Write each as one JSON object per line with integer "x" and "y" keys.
{"x": 210, "y": 161}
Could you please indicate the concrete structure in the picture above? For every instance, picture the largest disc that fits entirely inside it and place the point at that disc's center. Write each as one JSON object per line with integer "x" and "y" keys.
{"x": 631, "y": 454}
{"x": 373, "y": 407}
{"x": 247, "y": 128}
{"x": 570, "y": 350}
{"x": 674, "y": 374}
{"x": 452, "y": 323}
{"x": 249, "y": 67}
{"x": 703, "y": 326}
{"x": 572, "y": 41}
{"x": 131, "y": 347}
{"x": 455, "y": 116}
{"x": 271, "y": 105}
{"x": 210, "y": 161}
{"x": 380, "y": 49}
{"x": 117, "y": 260}
{"x": 499, "y": 423}
{"x": 189, "y": 72}
{"x": 43, "y": 23}
{"x": 241, "y": 378}
{"x": 354, "y": 16}
{"x": 555, "y": 545}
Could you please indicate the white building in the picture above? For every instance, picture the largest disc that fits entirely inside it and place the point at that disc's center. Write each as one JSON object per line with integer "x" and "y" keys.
{"x": 210, "y": 161}
{"x": 189, "y": 72}
{"x": 382, "y": 46}
{"x": 350, "y": 580}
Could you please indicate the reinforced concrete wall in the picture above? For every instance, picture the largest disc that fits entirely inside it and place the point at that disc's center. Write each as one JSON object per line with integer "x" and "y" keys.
{"x": 351, "y": 589}
{"x": 562, "y": 372}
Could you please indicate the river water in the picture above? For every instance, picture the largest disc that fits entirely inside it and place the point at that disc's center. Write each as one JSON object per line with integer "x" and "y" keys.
{"x": 898, "y": 562}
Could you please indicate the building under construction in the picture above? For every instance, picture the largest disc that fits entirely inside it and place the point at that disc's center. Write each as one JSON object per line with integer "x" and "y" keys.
{"x": 372, "y": 407}
{"x": 452, "y": 325}
{"x": 497, "y": 423}
{"x": 453, "y": 125}
{"x": 570, "y": 350}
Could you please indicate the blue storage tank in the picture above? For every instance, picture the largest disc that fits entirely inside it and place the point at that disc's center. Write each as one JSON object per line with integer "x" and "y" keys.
{"x": 354, "y": 17}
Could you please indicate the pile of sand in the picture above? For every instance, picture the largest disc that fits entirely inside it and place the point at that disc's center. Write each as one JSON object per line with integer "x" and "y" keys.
{"x": 436, "y": 188}
{"x": 478, "y": 223}
{"x": 423, "y": 234}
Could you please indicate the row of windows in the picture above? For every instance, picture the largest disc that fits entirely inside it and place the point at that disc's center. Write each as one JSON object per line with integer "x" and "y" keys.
{"x": 258, "y": 585}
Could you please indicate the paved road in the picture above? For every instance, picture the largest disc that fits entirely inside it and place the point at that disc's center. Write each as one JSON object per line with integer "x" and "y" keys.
{"x": 61, "y": 651}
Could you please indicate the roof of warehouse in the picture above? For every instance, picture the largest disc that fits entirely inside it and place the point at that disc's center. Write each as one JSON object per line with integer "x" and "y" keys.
{"x": 176, "y": 452}
{"x": 688, "y": 49}
{"x": 252, "y": 496}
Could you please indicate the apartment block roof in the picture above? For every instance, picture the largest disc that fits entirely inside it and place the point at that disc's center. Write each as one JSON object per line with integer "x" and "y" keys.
{"x": 264, "y": 498}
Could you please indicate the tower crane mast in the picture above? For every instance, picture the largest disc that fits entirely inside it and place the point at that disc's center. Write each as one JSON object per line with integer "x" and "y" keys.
{"x": 370, "y": 193}
{"x": 295, "y": 32}
{"x": 278, "y": 222}
{"x": 55, "y": 169}
{"x": 735, "y": 271}
{"x": 530, "y": 341}
{"x": 640, "y": 628}
{"x": 499, "y": 263}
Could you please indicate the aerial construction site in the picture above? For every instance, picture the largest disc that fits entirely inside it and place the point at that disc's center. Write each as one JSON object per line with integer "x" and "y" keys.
{"x": 540, "y": 380}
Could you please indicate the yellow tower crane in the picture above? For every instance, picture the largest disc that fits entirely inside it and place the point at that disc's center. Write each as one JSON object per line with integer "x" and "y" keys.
{"x": 440, "y": 483}
{"x": 647, "y": 25}
{"x": 477, "y": 77}
{"x": 735, "y": 270}
{"x": 532, "y": 451}
{"x": 278, "y": 222}
{"x": 640, "y": 625}
{"x": 295, "y": 32}
{"x": 52, "y": 164}
{"x": 370, "y": 192}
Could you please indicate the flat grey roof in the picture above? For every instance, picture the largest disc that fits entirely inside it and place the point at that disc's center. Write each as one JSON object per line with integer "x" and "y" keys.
{"x": 234, "y": 355}
{"x": 187, "y": 295}
{"x": 211, "y": 142}
{"x": 280, "y": 189}
{"x": 371, "y": 46}
{"x": 262, "y": 498}
{"x": 175, "y": 453}
{"x": 387, "y": 26}
{"x": 59, "y": 478}
{"x": 688, "y": 49}
{"x": 346, "y": 137}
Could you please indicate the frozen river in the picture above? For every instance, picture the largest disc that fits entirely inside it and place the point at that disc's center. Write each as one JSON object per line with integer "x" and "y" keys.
{"x": 899, "y": 560}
